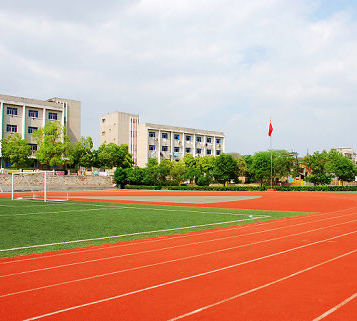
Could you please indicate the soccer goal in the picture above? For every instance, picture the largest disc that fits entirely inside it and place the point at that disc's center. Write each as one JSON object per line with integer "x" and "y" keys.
{"x": 40, "y": 185}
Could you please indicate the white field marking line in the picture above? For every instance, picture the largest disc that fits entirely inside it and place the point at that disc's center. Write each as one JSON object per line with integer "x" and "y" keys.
{"x": 143, "y": 266}
{"x": 207, "y": 273}
{"x": 105, "y": 247}
{"x": 335, "y": 308}
{"x": 136, "y": 208}
{"x": 284, "y": 218}
{"x": 185, "y": 236}
{"x": 176, "y": 246}
{"x": 263, "y": 286}
{"x": 165, "y": 238}
{"x": 123, "y": 235}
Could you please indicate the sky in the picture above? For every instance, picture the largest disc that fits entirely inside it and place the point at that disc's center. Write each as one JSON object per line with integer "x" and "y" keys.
{"x": 222, "y": 65}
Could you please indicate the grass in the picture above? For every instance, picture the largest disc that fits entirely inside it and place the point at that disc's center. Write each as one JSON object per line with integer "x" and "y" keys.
{"x": 34, "y": 224}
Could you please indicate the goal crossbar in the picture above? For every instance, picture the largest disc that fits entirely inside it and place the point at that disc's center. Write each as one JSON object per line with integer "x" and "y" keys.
{"x": 34, "y": 185}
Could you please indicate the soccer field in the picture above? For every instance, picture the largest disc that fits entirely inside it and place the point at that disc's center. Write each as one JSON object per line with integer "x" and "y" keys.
{"x": 29, "y": 226}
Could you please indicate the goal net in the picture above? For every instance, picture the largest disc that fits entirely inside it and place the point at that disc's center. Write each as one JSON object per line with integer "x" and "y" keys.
{"x": 40, "y": 185}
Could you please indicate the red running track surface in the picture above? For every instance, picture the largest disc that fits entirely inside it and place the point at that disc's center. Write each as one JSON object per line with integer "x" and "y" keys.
{"x": 299, "y": 268}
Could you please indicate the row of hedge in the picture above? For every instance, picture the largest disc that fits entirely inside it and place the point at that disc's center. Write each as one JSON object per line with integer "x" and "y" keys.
{"x": 249, "y": 188}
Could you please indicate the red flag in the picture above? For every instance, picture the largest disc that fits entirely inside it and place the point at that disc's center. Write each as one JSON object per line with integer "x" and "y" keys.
{"x": 270, "y": 129}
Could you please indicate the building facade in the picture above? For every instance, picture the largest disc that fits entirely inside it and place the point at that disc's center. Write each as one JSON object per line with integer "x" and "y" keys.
{"x": 148, "y": 140}
{"x": 348, "y": 152}
{"x": 24, "y": 116}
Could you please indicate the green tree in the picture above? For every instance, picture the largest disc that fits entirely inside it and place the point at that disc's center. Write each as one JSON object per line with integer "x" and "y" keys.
{"x": 83, "y": 152}
{"x": 225, "y": 168}
{"x": 112, "y": 155}
{"x": 248, "y": 160}
{"x": 151, "y": 172}
{"x": 178, "y": 171}
{"x": 54, "y": 145}
{"x": 16, "y": 150}
{"x": 136, "y": 176}
{"x": 121, "y": 176}
{"x": 285, "y": 164}
{"x": 191, "y": 166}
{"x": 261, "y": 167}
{"x": 316, "y": 163}
{"x": 163, "y": 171}
{"x": 341, "y": 166}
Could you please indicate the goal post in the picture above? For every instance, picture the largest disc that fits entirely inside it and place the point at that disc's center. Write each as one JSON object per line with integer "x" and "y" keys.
{"x": 38, "y": 185}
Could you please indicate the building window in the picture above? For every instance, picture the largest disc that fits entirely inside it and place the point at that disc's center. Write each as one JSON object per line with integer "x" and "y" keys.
{"x": 30, "y": 129}
{"x": 11, "y": 111}
{"x": 8, "y": 164}
{"x": 165, "y": 135}
{"x": 33, "y": 113}
{"x": 209, "y": 140}
{"x": 151, "y": 147}
{"x": 11, "y": 128}
{"x": 209, "y": 152}
{"x": 198, "y": 150}
{"x": 188, "y": 138}
{"x": 52, "y": 116}
{"x": 218, "y": 141}
{"x": 188, "y": 150}
{"x": 164, "y": 148}
{"x": 176, "y": 149}
{"x": 103, "y": 120}
{"x": 103, "y": 133}
{"x": 33, "y": 147}
{"x": 177, "y": 136}
{"x": 198, "y": 139}
{"x": 218, "y": 152}
{"x": 152, "y": 134}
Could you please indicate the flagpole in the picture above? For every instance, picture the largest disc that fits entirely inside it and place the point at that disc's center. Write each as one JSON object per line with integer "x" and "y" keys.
{"x": 271, "y": 164}
{"x": 271, "y": 154}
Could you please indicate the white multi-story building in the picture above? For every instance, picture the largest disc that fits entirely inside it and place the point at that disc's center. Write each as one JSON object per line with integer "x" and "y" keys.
{"x": 25, "y": 115}
{"x": 348, "y": 152}
{"x": 148, "y": 140}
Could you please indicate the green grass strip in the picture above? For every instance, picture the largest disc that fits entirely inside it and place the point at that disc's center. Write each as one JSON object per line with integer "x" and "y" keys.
{"x": 29, "y": 226}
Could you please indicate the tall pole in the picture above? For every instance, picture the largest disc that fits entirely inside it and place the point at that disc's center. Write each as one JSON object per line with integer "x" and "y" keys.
{"x": 271, "y": 164}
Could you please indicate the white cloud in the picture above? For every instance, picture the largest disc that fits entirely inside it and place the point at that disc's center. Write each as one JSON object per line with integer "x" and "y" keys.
{"x": 220, "y": 65}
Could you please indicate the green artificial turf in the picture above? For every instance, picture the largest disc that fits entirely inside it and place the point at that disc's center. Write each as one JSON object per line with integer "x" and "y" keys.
{"x": 25, "y": 223}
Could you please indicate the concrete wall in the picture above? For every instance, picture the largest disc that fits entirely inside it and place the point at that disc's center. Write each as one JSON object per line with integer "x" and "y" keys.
{"x": 56, "y": 183}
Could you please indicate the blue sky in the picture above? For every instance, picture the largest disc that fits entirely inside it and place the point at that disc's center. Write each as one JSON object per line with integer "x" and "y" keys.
{"x": 327, "y": 8}
{"x": 225, "y": 65}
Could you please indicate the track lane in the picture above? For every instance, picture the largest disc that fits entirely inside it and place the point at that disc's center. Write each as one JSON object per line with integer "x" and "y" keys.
{"x": 134, "y": 280}
{"x": 246, "y": 244}
{"x": 181, "y": 297}
{"x": 305, "y": 296}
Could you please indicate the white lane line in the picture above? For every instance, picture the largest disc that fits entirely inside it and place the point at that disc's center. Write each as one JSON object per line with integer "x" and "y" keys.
{"x": 131, "y": 234}
{"x": 144, "y": 266}
{"x": 335, "y": 308}
{"x": 259, "y": 287}
{"x": 135, "y": 208}
{"x": 207, "y": 273}
{"x": 118, "y": 245}
{"x": 168, "y": 237}
{"x": 205, "y": 241}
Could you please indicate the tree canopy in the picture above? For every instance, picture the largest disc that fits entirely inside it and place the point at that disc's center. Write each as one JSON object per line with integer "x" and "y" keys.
{"x": 54, "y": 145}
{"x": 316, "y": 164}
{"x": 16, "y": 150}
{"x": 112, "y": 155}
{"x": 83, "y": 152}
{"x": 341, "y": 166}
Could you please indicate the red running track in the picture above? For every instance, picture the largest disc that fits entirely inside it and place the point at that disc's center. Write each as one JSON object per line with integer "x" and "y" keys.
{"x": 300, "y": 268}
